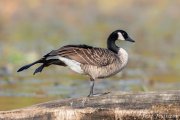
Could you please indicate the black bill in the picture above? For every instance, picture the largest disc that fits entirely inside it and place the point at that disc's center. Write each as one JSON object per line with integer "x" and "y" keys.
{"x": 130, "y": 40}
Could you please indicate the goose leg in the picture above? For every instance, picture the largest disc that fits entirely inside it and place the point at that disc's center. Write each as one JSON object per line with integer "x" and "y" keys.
{"x": 91, "y": 87}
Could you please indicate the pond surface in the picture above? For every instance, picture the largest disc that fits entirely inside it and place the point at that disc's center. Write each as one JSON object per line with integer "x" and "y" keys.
{"x": 24, "y": 90}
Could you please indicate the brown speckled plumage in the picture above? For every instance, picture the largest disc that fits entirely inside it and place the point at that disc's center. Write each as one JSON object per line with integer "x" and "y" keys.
{"x": 92, "y": 61}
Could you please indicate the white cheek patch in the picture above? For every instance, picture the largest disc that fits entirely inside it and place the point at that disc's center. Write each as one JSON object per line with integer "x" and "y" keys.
{"x": 120, "y": 36}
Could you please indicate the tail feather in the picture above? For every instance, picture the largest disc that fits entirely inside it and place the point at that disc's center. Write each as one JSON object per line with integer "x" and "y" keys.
{"x": 29, "y": 65}
{"x": 39, "y": 69}
{"x": 24, "y": 67}
{"x": 45, "y": 62}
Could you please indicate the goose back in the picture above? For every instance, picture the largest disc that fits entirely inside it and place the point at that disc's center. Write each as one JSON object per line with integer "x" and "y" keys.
{"x": 86, "y": 55}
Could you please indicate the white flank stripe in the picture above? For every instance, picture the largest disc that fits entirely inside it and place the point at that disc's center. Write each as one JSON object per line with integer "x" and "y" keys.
{"x": 74, "y": 65}
{"x": 52, "y": 57}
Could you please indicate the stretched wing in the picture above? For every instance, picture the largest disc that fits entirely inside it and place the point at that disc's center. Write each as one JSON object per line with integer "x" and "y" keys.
{"x": 85, "y": 54}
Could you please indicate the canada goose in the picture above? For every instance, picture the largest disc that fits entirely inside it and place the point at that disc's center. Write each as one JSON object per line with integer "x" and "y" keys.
{"x": 92, "y": 61}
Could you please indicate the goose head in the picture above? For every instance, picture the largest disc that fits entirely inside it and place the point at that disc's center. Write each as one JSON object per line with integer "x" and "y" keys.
{"x": 117, "y": 35}
{"x": 120, "y": 35}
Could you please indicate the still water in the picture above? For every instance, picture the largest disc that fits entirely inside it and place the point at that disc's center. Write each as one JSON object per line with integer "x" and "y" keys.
{"x": 24, "y": 90}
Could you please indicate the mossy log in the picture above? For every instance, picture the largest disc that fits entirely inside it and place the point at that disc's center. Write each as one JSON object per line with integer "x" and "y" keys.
{"x": 112, "y": 106}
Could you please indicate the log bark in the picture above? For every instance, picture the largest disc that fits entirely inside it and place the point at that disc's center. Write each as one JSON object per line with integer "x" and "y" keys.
{"x": 113, "y": 106}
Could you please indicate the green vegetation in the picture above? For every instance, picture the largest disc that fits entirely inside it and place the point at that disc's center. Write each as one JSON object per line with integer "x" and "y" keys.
{"x": 32, "y": 28}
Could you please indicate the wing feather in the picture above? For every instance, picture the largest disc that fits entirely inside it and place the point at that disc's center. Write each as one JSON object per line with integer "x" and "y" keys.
{"x": 85, "y": 54}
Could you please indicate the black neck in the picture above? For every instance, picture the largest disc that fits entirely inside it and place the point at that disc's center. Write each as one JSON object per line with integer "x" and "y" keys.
{"x": 111, "y": 45}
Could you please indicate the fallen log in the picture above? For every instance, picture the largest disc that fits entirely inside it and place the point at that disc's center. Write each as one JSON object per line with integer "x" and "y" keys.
{"x": 113, "y": 106}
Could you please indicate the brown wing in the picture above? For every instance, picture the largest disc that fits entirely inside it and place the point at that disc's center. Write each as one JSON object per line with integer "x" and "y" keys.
{"x": 86, "y": 54}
